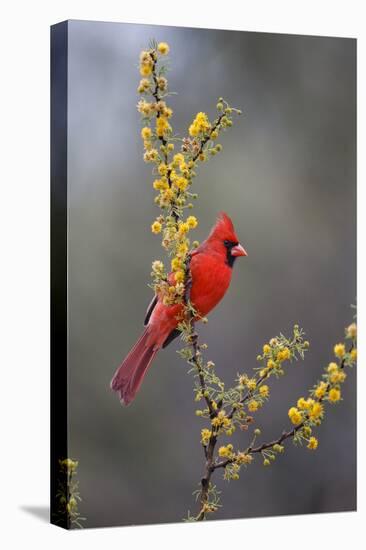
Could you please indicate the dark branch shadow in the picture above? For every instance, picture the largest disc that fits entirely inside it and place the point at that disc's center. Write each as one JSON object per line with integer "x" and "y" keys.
{"x": 40, "y": 512}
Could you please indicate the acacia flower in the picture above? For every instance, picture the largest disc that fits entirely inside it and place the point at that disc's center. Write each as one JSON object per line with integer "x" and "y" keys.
{"x": 266, "y": 349}
{"x": 337, "y": 377}
{"x": 157, "y": 266}
{"x": 283, "y": 354}
{"x": 253, "y": 405}
{"x": 351, "y": 331}
{"x": 313, "y": 443}
{"x": 183, "y": 228}
{"x": 200, "y": 125}
{"x": 294, "y": 415}
{"x": 163, "y": 48}
{"x": 339, "y": 350}
{"x": 146, "y": 133}
{"x": 332, "y": 367}
{"x": 162, "y": 126}
{"x": 144, "y": 86}
{"x": 179, "y": 276}
{"x": 181, "y": 183}
{"x": 205, "y": 436}
{"x": 317, "y": 411}
{"x": 160, "y": 184}
{"x": 320, "y": 390}
{"x": 334, "y": 395}
{"x": 156, "y": 227}
{"x": 145, "y": 107}
{"x": 244, "y": 458}
{"x": 192, "y": 222}
{"x": 353, "y": 354}
{"x": 226, "y": 451}
{"x": 162, "y": 83}
{"x": 264, "y": 391}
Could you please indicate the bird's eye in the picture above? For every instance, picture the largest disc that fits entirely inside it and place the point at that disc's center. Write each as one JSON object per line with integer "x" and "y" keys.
{"x": 227, "y": 243}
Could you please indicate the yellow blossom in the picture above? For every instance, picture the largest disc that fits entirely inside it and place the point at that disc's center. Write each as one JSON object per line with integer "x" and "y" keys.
{"x": 353, "y": 354}
{"x": 181, "y": 183}
{"x": 157, "y": 266}
{"x": 156, "y": 227}
{"x": 205, "y": 436}
{"x": 226, "y": 451}
{"x": 264, "y": 391}
{"x": 339, "y": 350}
{"x": 146, "y": 133}
{"x": 200, "y": 125}
{"x": 163, "y": 48}
{"x": 334, "y": 395}
{"x": 145, "y": 69}
{"x": 144, "y": 86}
{"x": 176, "y": 264}
{"x": 266, "y": 349}
{"x": 351, "y": 331}
{"x": 162, "y": 169}
{"x": 337, "y": 377}
{"x": 283, "y": 354}
{"x": 251, "y": 383}
{"x": 253, "y": 405}
{"x": 332, "y": 367}
{"x": 313, "y": 443}
{"x": 316, "y": 411}
{"x": 145, "y": 108}
{"x": 243, "y": 458}
{"x": 178, "y": 159}
{"x": 160, "y": 184}
{"x": 162, "y": 126}
{"x": 182, "y": 249}
{"x": 271, "y": 364}
{"x": 295, "y": 415}
{"x": 183, "y": 228}
{"x": 151, "y": 156}
{"x": 320, "y": 390}
{"x": 179, "y": 276}
{"x": 192, "y": 222}
{"x": 162, "y": 83}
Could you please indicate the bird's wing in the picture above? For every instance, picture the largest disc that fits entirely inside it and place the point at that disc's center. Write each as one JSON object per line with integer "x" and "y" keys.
{"x": 150, "y": 309}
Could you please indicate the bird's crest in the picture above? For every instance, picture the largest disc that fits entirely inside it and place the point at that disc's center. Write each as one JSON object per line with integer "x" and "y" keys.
{"x": 223, "y": 229}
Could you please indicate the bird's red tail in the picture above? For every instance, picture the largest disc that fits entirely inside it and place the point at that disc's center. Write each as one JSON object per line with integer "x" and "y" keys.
{"x": 130, "y": 374}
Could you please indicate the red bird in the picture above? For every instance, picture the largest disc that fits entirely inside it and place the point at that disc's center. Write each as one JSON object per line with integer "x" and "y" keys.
{"x": 211, "y": 269}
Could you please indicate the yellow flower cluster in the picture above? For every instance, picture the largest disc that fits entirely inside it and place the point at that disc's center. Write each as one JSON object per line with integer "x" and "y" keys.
{"x": 226, "y": 452}
{"x": 68, "y": 465}
{"x": 277, "y": 351}
{"x": 339, "y": 350}
{"x": 313, "y": 443}
{"x": 200, "y": 125}
{"x": 253, "y": 405}
{"x": 205, "y": 436}
{"x": 147, "y": 60}
{"x": 222, "y": 422}
{"x": 243, "y": 458}
{"x": 295, "y": 415}
{"x": 173, "y": 171}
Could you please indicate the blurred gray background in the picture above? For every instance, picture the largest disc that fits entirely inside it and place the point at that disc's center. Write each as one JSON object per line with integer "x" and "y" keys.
{"x": 287, "y": 178}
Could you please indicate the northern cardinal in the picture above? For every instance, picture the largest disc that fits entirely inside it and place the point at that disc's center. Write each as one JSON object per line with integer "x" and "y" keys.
{"x": 210, "y": 270}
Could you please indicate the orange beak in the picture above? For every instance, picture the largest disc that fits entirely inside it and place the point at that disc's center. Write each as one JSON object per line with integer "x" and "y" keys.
{"x": 238, "y": 250}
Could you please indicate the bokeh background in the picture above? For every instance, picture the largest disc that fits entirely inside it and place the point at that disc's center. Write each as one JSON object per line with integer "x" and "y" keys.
{"x": 287, "y": 177}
